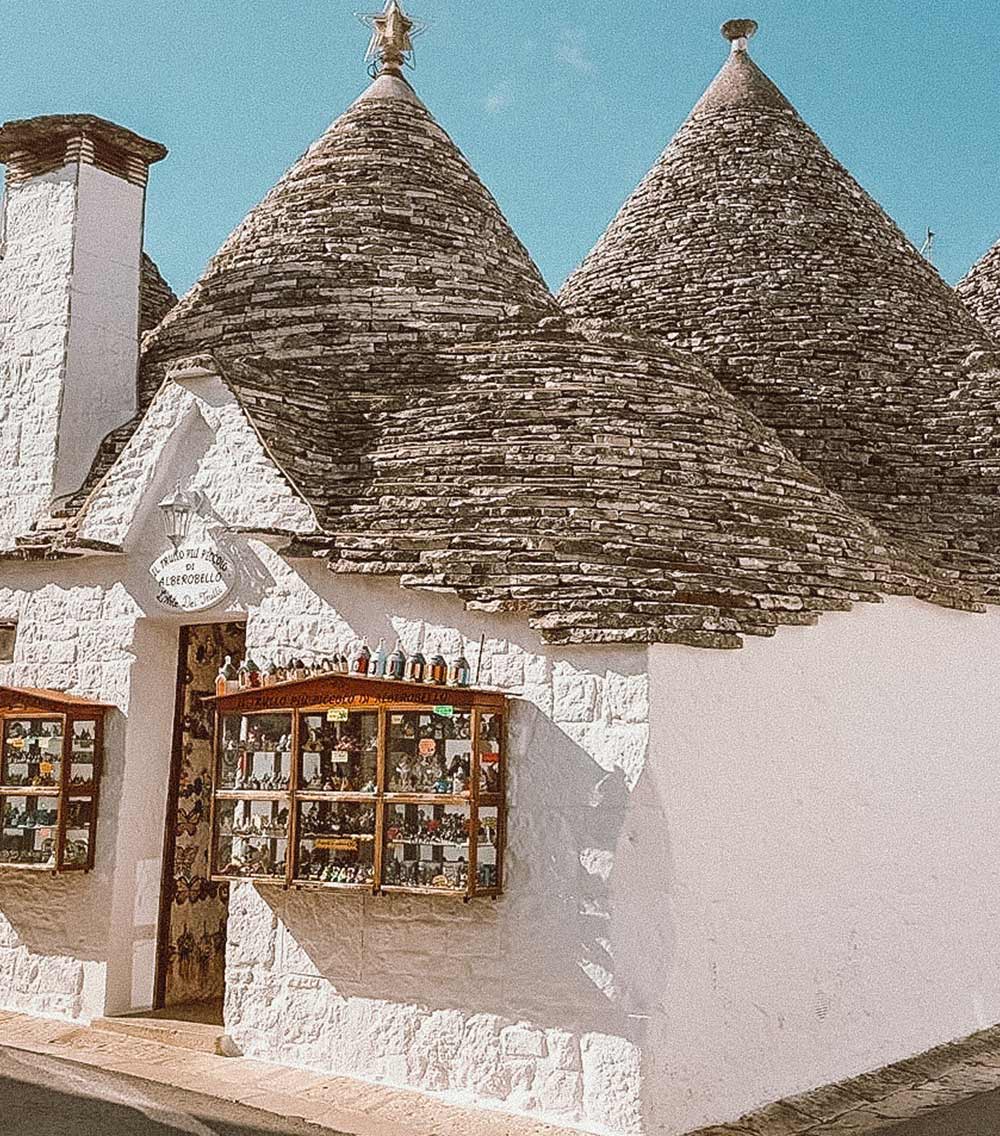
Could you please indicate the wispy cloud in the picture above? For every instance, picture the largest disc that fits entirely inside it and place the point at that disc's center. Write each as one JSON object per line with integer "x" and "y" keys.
{"x": 572, "y": 50}
{"x": 500, "y": 97}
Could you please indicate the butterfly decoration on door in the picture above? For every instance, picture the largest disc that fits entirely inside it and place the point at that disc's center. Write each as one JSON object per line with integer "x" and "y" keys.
{"x": 189, "y": 820}
{"x": 190, "y": 889}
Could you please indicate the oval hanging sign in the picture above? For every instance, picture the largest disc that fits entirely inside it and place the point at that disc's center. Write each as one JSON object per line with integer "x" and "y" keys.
{"x": 192, "y": 579}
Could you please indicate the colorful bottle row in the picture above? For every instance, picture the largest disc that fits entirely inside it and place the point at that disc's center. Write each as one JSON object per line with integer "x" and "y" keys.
{"x": 398, "y": 667}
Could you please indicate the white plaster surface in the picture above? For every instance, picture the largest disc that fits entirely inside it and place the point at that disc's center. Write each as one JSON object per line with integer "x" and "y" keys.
{"x": 102, "y": 348}
{"x": 35, "y": 272}
{"x": 69, "y": 303}
{"x": 231, "y": 467}
{"x": 830, "y": 889}
{"x": 56, "y": 937}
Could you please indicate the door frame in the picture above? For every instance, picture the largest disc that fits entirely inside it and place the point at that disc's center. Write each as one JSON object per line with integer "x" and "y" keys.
{"x": 169, "y": 858}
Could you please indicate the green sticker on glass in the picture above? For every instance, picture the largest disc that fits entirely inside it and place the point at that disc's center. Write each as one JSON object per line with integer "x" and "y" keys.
{"x": 336, "y": 715}
{"x": 445, "y": 711}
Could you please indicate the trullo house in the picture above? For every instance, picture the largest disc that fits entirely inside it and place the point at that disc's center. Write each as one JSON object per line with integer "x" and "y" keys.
{"x": 581, "y": 706}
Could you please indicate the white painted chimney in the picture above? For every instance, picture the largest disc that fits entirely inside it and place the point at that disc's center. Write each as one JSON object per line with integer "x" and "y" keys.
{"x": 70, "y": 262}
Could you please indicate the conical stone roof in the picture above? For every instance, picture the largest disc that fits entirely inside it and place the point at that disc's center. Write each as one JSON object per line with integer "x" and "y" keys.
{"x": 381, "y": 225}
{"x": 608, "y": 488}
{"x": 749, "y": 244}
{"x": 397, "y": 352}
{"x": 980, "y": 290}
{"x": 380, "y": 228}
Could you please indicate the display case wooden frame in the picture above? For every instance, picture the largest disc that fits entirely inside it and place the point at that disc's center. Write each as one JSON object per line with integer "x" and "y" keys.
{"x": 26, "y": 704}
{"x": 385, "y": 698}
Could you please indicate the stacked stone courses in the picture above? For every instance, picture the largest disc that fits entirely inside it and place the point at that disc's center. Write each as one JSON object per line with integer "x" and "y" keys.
{"x": 607, "y": 487}
{"x": 980, "y": 290}
{"x": 399, "y": 355}
{"x": 750, "y": 245}
{"x": 536, "y": 485}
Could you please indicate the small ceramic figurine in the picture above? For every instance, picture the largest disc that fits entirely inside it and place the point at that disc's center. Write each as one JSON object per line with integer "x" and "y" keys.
{"x": 376, "y": 668}
{"x": 437, "y": 669}
{"x": 404, "y": 773}
{"x": 443, "y": 782}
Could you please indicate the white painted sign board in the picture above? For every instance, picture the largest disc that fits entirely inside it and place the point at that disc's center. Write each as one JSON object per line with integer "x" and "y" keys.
{"x": 192, "y": 579}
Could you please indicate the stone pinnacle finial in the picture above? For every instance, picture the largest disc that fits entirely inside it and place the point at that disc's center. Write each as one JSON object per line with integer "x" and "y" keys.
{"x": 739, "y": 33}
{"x": 393, "y": 33}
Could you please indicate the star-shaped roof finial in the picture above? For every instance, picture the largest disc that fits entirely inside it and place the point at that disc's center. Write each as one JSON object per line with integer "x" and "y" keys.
{"x": 393, "y": 33}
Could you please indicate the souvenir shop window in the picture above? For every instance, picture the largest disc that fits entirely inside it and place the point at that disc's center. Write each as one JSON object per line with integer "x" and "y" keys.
{"x": 50, "y": 764}
{"x": 361, "y": 783}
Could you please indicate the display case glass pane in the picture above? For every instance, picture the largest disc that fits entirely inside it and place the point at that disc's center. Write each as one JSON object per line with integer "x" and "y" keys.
{"x": 32, "y": 752}
{"x": 79, "y": 831}
{"x": 29, "y": 830}
{"x": 429, "y": 752}
{"x": 427, "y": 846}
{"x": 487, "y": 874}
{"x": 339, "y": 751}
{"x": 83, "y": 754}
{"x": 490, "y": 752}
{"x": 336, "y": 842}
{"x": 256, "y": 752}
{"x": 252, "y": 838}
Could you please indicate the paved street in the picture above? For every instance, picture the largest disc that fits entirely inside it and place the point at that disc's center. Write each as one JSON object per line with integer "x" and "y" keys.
{"x": 977, "y": 1116}
{"x": 43, "y": 1096}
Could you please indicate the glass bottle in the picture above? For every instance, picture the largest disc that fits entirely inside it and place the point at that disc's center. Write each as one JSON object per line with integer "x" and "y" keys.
{"x": 376, "y": 668}
{"x": 267, "y": 675}
{"x": 416, "y": 665}
{"x": 299, "y": 669}
{"x": 459, "y": 673}
{"x": 243, "y": 676}
{"x": 253, "y": 673}
{"x": 437, "y": 669}
{"x": 362, "y": 659}
{"x": 395, "y": 667}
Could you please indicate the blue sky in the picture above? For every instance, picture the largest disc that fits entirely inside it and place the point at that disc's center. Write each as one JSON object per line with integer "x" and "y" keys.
{"x": 560, "y": 106}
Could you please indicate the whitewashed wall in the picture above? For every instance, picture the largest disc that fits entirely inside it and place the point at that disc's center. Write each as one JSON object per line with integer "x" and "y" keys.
{"x": 76, "y": 630}
{"x": 512, "y": 1004}
{"x": 35, "y": 274}
{"x": 829, "y": 884}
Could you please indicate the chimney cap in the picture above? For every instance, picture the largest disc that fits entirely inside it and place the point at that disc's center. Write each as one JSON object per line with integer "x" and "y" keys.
{"x": 736, "y": 30}
{"x": 30, "y": 133}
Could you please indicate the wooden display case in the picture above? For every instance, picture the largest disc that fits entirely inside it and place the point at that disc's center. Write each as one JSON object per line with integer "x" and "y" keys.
{"x": 356, "y": 783}
{"x": 51, "y": 753}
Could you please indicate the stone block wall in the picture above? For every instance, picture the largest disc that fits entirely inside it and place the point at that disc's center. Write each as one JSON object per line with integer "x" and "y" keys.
{"x": 55, "y": 933}
{"x": 515, "y": 1004}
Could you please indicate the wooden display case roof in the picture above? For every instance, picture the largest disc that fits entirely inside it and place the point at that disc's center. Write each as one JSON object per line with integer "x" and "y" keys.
{"x": 358, "y": 690}
{"x": 21, "y": 698}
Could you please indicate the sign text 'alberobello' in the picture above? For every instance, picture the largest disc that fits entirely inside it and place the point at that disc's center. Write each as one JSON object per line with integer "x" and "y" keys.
{"x": 192, "y": 579}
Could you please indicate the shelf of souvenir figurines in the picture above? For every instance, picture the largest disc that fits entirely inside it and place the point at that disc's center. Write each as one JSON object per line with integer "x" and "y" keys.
{"x": 361, "y": 783}
{"x": 50, "y": 766}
